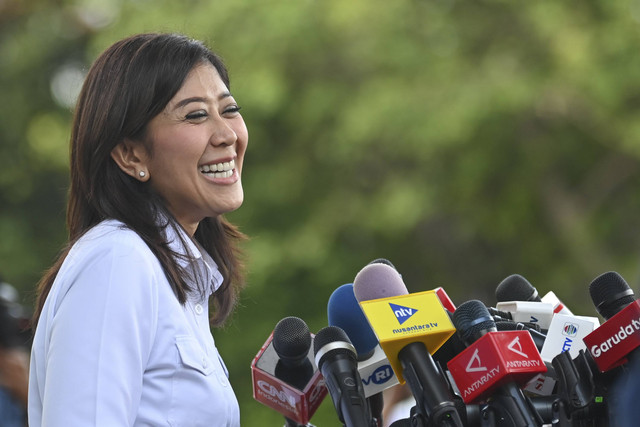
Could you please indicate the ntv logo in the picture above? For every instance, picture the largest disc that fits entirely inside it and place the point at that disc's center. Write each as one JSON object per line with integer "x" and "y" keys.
{"x": 402, "y": 313}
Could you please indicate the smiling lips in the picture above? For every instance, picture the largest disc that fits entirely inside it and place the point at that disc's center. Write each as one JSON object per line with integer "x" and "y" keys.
{"x": 219, "y": 170}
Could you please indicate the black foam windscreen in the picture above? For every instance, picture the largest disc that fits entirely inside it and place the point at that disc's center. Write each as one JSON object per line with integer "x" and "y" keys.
{"x": 328, "y": 335}
{"x": 291, "y": 340}
{"x": 332, "y": 340}
{"x": 610, "y": 293}
{"x": 516, "y": 288}
{"x": 472, "y": 319}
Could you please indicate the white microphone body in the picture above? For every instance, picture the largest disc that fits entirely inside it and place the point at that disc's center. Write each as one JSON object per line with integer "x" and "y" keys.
{"x": 376, "y": 373}
{"x": 558, "y": 306}
{"x": 565, "y": 334}
{"x": 528, "y": 311}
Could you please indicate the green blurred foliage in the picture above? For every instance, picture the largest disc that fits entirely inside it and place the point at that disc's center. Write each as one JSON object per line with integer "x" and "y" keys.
{"x": 464, "y": 141}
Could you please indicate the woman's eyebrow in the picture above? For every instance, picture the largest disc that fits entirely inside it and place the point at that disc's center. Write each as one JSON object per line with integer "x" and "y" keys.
{"x": 186, "y": 101}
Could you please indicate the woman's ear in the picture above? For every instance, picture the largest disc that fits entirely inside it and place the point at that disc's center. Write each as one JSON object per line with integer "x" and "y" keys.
{"x": 131, "y": 158}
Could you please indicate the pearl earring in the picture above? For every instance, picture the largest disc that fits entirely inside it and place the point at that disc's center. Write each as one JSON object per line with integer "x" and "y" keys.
{"x": 142, "y": 174}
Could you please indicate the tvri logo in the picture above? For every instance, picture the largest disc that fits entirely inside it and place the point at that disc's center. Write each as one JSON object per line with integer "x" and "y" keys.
{"x": 401, "y": 312}
{"x": 381, "y": 375}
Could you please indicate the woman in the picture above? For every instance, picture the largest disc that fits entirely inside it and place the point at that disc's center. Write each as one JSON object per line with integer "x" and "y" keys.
{"x": 123, "y": 335}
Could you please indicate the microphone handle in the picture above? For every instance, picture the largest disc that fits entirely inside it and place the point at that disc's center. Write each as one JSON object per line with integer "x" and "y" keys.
{"x": 511, "y": 404}
{"x": 376, "y": 403}
{"x": 551, "y": 409}
{"x": 430, "y": 390}
{"x": 345, "y": 387}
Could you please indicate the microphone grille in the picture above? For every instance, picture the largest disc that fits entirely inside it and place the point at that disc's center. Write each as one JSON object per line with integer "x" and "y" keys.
{"x": 471, "y": 319}
{"x": 378, "y": 280}
{"x": 291, "y": 339}
{"x": 332, "y": 335}
{"x": 327, "y": 335}
{"x": 516, "y": 288}
{"x": 610, "y": 293}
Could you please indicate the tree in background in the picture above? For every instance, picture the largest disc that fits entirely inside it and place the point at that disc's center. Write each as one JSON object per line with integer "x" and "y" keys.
{"x": 464, "y": 141}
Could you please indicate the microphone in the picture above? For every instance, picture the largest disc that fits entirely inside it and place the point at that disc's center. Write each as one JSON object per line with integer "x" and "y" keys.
{"x": 494, "y": 364}
{"x": 516, "y": 288}
{"x": 335, "y": 356}
{"x": 284, "y": 376}
{"x": 566, "y": 333}
{"x": 374, "y": 368}
{"x": 409, "y": 328}
{"x": 526, "y": 312}
{"x": 541, "y": 384}
{"x": 610, "y": 294}
{"x": 518, "y": 300}
{"x": 616, "y": 340}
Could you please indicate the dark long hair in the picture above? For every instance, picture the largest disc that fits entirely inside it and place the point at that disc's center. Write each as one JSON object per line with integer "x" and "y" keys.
{"x": 129, "y": 84}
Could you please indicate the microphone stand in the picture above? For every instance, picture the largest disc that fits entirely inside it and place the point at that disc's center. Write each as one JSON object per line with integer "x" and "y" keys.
{"x": 505, "y": 410}
{"x": 434, "y": 408}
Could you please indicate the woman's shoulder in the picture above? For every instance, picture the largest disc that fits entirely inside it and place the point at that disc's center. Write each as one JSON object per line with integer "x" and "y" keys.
{"x": 108, "y": 240}
{"x": 110, "y": 234}
{"x": 109, "y": 256}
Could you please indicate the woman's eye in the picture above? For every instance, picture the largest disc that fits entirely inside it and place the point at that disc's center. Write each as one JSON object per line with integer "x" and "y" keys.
{"x": 232, "y": 109}
{"x": 196, "y": 115}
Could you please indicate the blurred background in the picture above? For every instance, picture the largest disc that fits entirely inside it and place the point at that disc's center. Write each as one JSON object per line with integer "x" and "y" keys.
{"x": 463, "y": 141}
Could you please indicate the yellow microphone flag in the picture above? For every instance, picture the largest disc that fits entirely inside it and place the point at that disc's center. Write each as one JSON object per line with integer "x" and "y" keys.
{"x": 401, "y": 320}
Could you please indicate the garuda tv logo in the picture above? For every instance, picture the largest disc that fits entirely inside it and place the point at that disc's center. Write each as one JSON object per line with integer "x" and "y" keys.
{"x": 402, "y": 313}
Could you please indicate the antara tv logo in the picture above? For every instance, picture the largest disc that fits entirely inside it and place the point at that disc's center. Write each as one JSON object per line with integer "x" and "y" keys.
{"x": 402, "y": 313}
{"x": 475, "y": 365}
{"x": 516, "y": 347}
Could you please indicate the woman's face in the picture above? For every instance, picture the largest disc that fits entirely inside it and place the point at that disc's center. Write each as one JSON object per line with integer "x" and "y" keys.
{"x": 198, "y": 141}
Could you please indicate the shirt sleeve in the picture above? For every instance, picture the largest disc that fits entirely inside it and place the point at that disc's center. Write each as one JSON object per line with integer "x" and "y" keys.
{"x": 100, "y": 338}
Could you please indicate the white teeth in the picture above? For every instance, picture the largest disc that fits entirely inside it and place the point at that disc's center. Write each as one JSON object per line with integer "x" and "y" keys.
{"x": 222, "y": 170}
{"x": 225, "y": 174}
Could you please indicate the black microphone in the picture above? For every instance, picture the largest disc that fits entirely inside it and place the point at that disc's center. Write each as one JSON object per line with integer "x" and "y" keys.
{"x": 610, "y": 294}
{"x": 516, "y": 288}
{"x": 337, "y": 360}
{"x": 291, "y": 342}
{"x": 614, "y": 346}
{"x": 473, "y": 321}
{"x": 618, "y": 337}
{"x": 284, "y": 376}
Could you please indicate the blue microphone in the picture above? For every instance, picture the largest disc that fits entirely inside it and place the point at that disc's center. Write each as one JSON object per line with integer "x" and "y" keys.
{"x": 344, "y": 311}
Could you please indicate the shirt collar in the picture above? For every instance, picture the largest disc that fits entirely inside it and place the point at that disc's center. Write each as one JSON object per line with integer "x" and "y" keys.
{"x": 193, "y": 258}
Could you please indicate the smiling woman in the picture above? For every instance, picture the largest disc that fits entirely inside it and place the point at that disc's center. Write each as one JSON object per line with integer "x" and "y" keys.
{"x": 122, "y": 332}
{"x": 199, "y": 129}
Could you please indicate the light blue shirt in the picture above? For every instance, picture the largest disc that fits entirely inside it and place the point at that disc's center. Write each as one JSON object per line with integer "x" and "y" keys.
{"x": 114, "y": 347}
